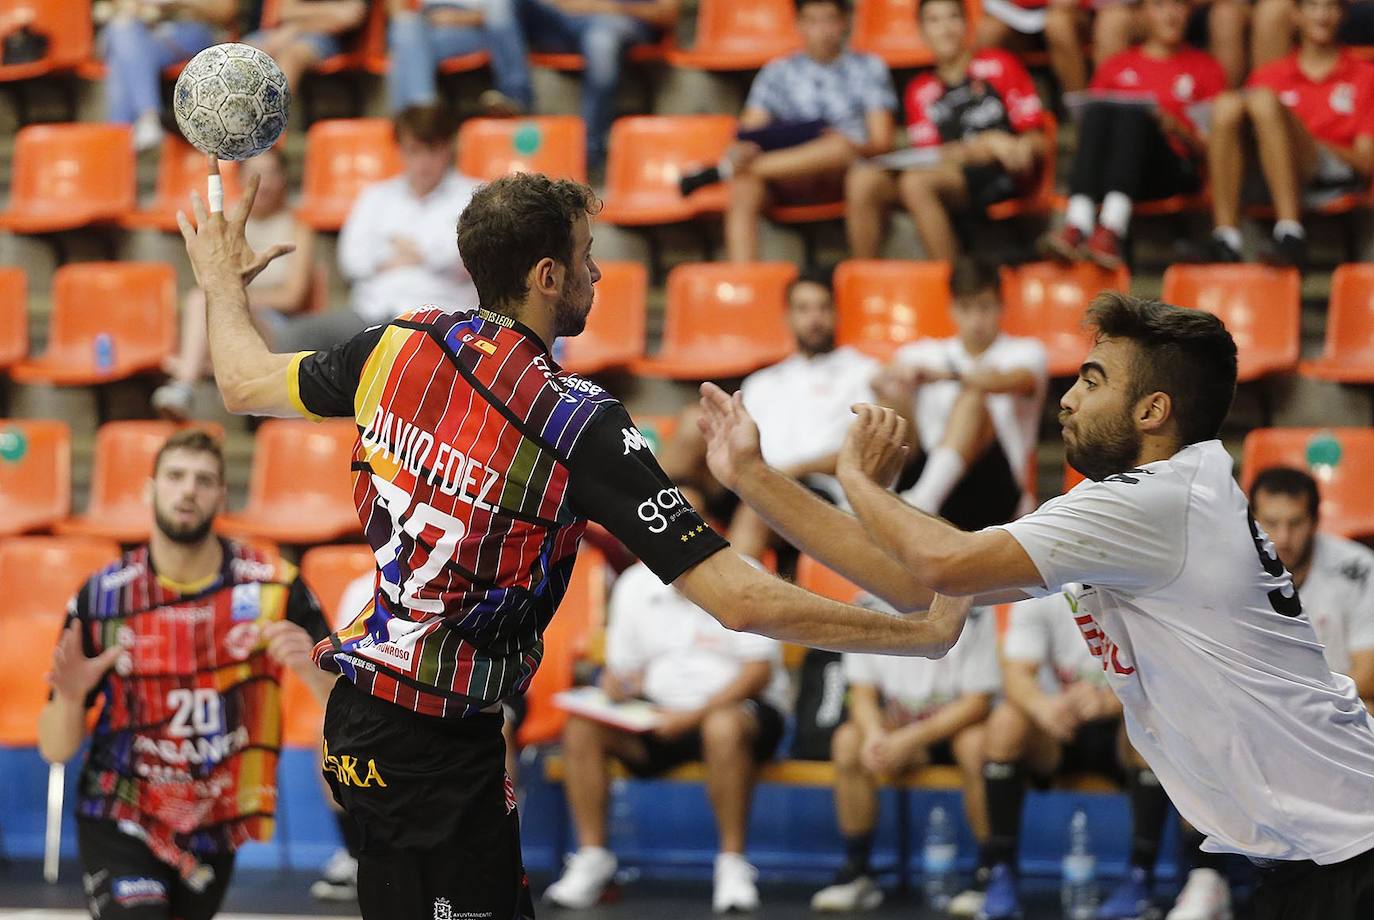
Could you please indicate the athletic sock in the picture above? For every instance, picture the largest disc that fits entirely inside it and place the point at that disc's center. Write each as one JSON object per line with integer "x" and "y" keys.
{"x": 1149, "y": 805}
{"x": 1116, "y": 212}
{"x": 943, "y": 470}
{"x": 349, "y": 831}
{"x": 1229, "y": 237}
{"x": 700, "y": 179}
{"x": 1005, "y": 784}
{"x": 1080, "y": 214}
{"x": 858, "y": 850}
{"x": 1289, "y": 228}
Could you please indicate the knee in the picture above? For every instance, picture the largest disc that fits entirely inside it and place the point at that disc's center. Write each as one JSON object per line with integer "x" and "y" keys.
{"x": 581, "y": 734}
{"x": 845, "y": 747}
{"x": 863, "y": 184}
{"x": 1005, "y": 736}
{"x": 919, "y": 183}
{"x": 725, "y": 731}
{"x": 969, "y": 747}
{"x": 1263, "y": 104}
{"x": 1228, "y": 110}
{"x": 603, "y": 43}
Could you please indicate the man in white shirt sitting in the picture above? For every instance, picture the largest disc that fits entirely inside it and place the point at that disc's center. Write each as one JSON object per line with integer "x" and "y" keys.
{"x": 906, "y": 713}
{"x": 397, "y": 245}
{"x": 975, "y": 401}
{"x": 723, "y": 694}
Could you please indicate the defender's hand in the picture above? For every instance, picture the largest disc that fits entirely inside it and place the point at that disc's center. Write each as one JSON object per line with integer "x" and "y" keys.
{"x": 876, "y": 447}
{"x": 732, "y": 438}
{"x": 216, "y": 243}
{"x": 73, "y": 675}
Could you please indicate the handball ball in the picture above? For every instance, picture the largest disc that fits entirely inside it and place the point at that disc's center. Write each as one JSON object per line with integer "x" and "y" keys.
{"x": 231, "y": 100}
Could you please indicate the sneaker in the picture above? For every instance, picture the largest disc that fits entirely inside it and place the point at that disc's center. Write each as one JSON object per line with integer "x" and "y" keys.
{"x": 496, "y": 104}
{"x": 1065, "y": 245}
{"x": 968, "y": 903}
{"x": 1206, "y": 896}
{"x": 338, "y": 880}
{"x": 586, "y": 875}
{"x": 734, "y": 886}
{"x": 692, "y": 181}
{"x": 1286, "y": 252}
{"x": 1003, "y": 899}
{"x": 1213, "y": 252}
{"x": 848, "y": 893}
{"x": 1130, "y": 900}
{"x": 1104, "y": 249}
{"x": 147, "y": 132}
{"x": 173, "y": 401}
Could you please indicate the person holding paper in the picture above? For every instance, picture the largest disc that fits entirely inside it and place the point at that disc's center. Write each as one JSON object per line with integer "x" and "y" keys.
{"x": 1136, "y": 137}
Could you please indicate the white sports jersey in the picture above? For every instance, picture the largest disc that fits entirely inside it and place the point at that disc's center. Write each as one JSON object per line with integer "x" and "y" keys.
{"x": 1338, "y": 597}
{"x": 820, "y": 390}
{"x": 1042, "y": 630}
{"x": 1200, "y": 633}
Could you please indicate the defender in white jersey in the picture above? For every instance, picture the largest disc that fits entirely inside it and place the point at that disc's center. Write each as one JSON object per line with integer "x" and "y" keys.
{"x": 1196, "y": 624}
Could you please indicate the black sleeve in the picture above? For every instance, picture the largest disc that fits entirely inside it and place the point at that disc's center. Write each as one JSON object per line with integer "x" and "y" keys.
{"x": 326, "y": 381}
{"x": 76, "y": 613}
{"x": 616, "y": 482}
{"x": 303, "y": 609}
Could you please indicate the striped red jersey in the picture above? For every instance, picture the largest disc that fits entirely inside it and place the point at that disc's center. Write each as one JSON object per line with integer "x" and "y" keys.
{"x": 477, "y": 465}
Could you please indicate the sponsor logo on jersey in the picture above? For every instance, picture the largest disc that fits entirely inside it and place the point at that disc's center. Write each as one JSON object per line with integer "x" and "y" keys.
{"x": 130, "y": 890}
{"x": 345, "y": 770}
{"x": 245, "y": 601}
{"x": 116, "y": 580}
{"x": 241, "y": 639}
{"x": 1343, "y": 99}
{"x": 666, "y": 506}
{"x": 252, "y": 570}
{"x": 634, "y": 440}
{"x": 485, "y": 346}
{"x": 196, "y": 751}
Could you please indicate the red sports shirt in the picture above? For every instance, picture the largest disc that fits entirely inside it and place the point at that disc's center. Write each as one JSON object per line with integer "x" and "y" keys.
{"x": 1336, "y": 110}
{"x": 1182, "y": 79}
{"x": 996, "y": 94}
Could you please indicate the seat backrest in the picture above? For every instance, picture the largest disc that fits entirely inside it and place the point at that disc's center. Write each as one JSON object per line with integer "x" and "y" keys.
{"x": 747, "y": 26}
{"x": 883, "y": 304}
{"x": 888, "y": 29}
{"x": 717, "y": 302}
{"x": 1261, "y": 307}
{"x": 658, "y": 430}
{"x": 123, "y": 463}
{"x": 1350, "y": 318}
{"x": 1071, "y": 477}
{"x": 36, "y": 467}
{"x": 1340, "y": 459}
{"x": 14, "y": 316}
{"x": 66, "y": 23}
{"x": 618, "y": 311}
{"x": 305, "y": 464}
{"x": 137, "y": 308}
{"x": 181, "y": 170}
{"x": 328, "y": 570}
{"x": 555, "y": 145}
{"x": 649, "y": 153}
{"x": 1047, "y": 301}
{"x": 819, "y": 579}
{"x": 85, "y": 168}
{"x": 343, "y": 156}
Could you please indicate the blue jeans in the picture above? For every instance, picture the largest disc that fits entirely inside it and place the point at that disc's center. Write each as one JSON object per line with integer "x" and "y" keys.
{"x": 135, "y": 56}
{"x": 601, "y": 40}
{"x": 417, "y": 48}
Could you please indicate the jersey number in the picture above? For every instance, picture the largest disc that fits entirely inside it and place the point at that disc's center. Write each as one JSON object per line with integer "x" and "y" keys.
{"x": 397, "y": 503}
{"x": 1269, "y": 559}
{"x": 198, "y": 712}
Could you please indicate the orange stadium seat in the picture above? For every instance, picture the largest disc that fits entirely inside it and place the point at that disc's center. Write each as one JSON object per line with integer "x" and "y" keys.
{"x": 35, "y": 474}
{"x": 1261, "y": 306}
{"x": 1047, "y": 301}
{"x": 134, "y": 303}
{"x": 649, "y": 153}
{"x": 883, "y": 304}
{"x": 1341, "y": 460}
{"x": 887, "y": 28}
{"x": 66, "y": 23}
{"x": 342, "y": 157}
{"x": 819, "y": 579}
{"x": 37, "y": 610}
{"x": 1071, "y": 476}
{"x": 657, "y": 429}
{"x": 614, "y": 337}
{"x": 181, "y": 169}
{"x": 740, "y": 35}
{"x": 723, "y": 320}
{"x": 582, "y": 613}
{"x": 1349, "y": 353}
{"x": 300, "y": 490}
{"x": 329, "y": 570}
{"x": 638, "y": 54}
{"x": 68, "y": 176}
{"x": 555, "y": 145}
{"x": 14, "y": 316}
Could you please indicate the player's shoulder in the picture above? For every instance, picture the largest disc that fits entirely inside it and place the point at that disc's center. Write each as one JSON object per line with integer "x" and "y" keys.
{"x": 249, "y": 563}
{"x": 99, "y": 594}
{"x": 995, "y": 64}
{"x": 1275, "y": 73}
{"x": 925, "y": 88}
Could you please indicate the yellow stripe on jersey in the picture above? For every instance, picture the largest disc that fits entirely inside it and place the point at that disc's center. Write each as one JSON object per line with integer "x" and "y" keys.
{"x": 371, "y": 385}
{"x": 293, "y": 387}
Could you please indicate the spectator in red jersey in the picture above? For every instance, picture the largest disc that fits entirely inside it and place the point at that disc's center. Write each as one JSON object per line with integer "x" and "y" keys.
{"x": 1275, "y": 28}
{"x": 1065, "y": 24}
{"x": 978, "y": 114}
{"x": 1137, "y": 142}
{"x": 1312, "y": 114}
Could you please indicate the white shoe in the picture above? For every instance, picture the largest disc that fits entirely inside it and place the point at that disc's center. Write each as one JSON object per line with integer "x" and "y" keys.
{"x": 1206, "y": 896}
{"x": 338, "y": 880}
{"x": 147, "y": 132}
{"x": 734, "y": 888}
{"x": 967, "y": 903}
{"x": 173, "y": 401}
{"x": 861, "y": 893}
{"x": 585, "y": 877}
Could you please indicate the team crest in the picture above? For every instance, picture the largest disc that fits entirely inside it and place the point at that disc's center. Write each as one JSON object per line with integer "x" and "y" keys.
{"x": 1343, "y": 99}
{"x": 1184, "y": 86}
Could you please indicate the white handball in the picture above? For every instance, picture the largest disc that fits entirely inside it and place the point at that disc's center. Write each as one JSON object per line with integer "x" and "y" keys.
{"x": 231, "y": 100}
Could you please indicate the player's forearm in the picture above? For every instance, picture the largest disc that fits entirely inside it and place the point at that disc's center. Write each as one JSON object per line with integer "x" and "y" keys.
{"x": 250, "y": 377}
{"x": 950, "y": 719}
{"x": 61, "y": 729}
{"x": 823, "y": 466}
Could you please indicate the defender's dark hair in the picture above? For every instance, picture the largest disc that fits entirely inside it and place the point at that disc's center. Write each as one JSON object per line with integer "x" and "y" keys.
{"x": 512, "y": 223}
{"x": 972, "y": 277}
{"x": 1286, "y": 480}
{"x": 1185, "y": 353}
{"x": 823, "y": 275}
{"x": 191, "y": 440}
{"x": 841, "y": 5}
{"x": 431, "y": 125}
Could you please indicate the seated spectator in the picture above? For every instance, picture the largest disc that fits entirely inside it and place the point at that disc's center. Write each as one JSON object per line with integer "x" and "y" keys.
{"x": 1133, "y": 152}
{"x": 723, "y": 695}
{"x": 979, "y": 112}
{"x": 1311, "y": 117}
{"x": 974, "y": 401}
{"x": 309, "y": 31}
{"x": 396, "y": 247}
{"x": 1274, "y": 28}
{"x": 819, "y": 383}
{"x": 1064, "y": 24}
{"x": 1222, "y": 27}
{"x": 1059, "y": 716}
{"x": 906, "y": 713}
{"x": 142, "y": 38}
{"x": 419, "y": 40}
{"x": 845, "y": 95}
{"x": 275, "y": 296}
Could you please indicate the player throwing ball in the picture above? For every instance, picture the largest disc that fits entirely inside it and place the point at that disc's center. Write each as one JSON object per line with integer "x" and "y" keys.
{"x": 1194, "y": 620}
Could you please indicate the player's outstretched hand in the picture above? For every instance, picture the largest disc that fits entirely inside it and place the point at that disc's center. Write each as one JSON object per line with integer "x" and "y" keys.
{"x": 73, "y": 675}
{"x": 216, "y": 242}
{"x": 289, "y": 645}
{"x": 876, "y": 447}
{"x": 732, "y": 438}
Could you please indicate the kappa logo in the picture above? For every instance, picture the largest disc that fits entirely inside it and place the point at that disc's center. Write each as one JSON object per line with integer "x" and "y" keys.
{"x": 344, "y": 769}
{"x": 634, "y": 440}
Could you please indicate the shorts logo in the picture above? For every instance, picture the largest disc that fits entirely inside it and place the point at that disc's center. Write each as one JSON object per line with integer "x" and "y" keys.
{"x": 485, "y": 346}
{"x": 130, "y": 891}
{"x": 633, "y": 440}
{"x": 443, "y": 910}
{"x": 344, "y": 769}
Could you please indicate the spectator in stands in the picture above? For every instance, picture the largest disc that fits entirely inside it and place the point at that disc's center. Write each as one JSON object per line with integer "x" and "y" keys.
{"x": 1274, "y": 28}
{"x": 1059, "y": 716}
{"x": 1312, "y": 114}
{"x": 1013, "y": 24}
{"x": 1222, "y": 27}
{"x": 1129, "y": 151}
{"x": 819, "y": 383}
{"x": 276, "y": 295}
{"x": 723, "y": 695}
{"x": 835, "y": 104}
{"x": 906, "y": 713}
{"x": 421, "y": 38}
{"x": 309, "y": 31}
{"x": 396, "y": 247}
{"x": 141, "y": 38}
{"x": 978, "y": 115}
{"x": 974, "y": 400}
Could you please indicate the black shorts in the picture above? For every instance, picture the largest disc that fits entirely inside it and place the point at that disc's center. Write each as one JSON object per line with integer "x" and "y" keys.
{"x": 662, "y": 756}
{"x": 1094, "y": 749}
{"x": 988, "y": 494}
{"x": 439, "y": 834}
{"x": 125, "y": 881}
{"x": 1306, "y": 891}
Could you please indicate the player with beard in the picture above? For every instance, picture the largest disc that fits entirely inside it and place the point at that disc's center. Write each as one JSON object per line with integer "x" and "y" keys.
{"x": 183, "y": 640}
{"x": 1196, "y": 624}
{"x": 478, "y": 464}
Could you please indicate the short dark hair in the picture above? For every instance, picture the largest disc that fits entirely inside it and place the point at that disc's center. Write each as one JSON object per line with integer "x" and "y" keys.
{"x": 1287, "y": 480}
{"x": 431, "y": 125}
{"x": 841, "y": 5}
{"x": 822, "y": 275}
{"x": 513, "y": 222}
{"x": 971, "y": 277}
{"x": 1188, "y": 354}
{"x": 191, "y": 440}
{"x": 921, "y": 7}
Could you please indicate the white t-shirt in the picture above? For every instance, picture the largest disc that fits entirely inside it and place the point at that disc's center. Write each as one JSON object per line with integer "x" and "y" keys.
{"x": 1338, "y": 597}
{"x": 913, "y": 688}
{"x": 685, "y": 655}
{"x": 355, "y": 597}
{"x": 1015, "y": 418}
{"x": 1197, "y": 627}
{"x": 1042, "y": 630}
